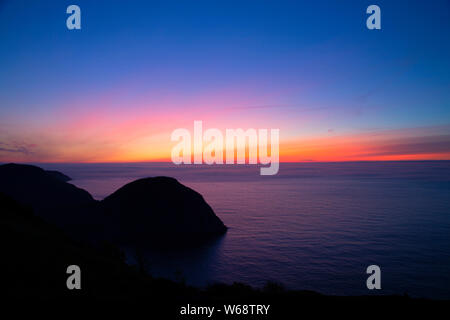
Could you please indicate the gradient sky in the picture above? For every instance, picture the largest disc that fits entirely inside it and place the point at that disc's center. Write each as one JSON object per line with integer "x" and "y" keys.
{"x": 137, "y": 70}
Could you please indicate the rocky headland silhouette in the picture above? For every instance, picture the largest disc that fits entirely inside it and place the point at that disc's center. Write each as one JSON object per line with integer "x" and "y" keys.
{"x": 161, "y": 210}
{"x": 157, "y": 211}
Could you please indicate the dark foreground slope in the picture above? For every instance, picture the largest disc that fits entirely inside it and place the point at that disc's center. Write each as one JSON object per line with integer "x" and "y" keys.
{"x": 35, "y": 257}
{"x": 46, "y": 192}
{"x": 40, "y": 189}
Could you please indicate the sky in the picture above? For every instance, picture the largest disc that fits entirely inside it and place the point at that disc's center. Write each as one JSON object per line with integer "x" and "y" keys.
{"x": 137, "y": 70}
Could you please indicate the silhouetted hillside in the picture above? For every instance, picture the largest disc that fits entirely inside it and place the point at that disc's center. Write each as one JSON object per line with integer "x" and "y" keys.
{"x": 43, "y": 191}
{"x": 162, "y": 209}
{"x": 37, "y": 254}
{"x": 147, "y": 212}
{"x": 59, "y": 175}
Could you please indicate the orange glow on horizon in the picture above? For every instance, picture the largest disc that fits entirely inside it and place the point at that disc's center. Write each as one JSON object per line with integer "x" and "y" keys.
{"x": 99, "y": 135}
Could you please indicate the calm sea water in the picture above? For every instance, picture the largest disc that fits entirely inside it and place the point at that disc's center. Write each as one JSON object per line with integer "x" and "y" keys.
{"x": 313, "y": 226}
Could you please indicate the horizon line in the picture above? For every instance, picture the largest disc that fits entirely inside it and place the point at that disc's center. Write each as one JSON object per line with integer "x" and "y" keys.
{"x": 204, "y": 164}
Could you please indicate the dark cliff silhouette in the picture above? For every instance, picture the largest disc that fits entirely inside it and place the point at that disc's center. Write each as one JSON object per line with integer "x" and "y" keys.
{"x": 161, "y": 209}
{"x": 40, "y": 189}
{"x": 56, "y": 201}
{"x": 147, "y": 212}
{"x": 59, "y": 175}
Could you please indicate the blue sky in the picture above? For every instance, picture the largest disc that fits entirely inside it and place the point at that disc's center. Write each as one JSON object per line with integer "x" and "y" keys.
{"x": 310, "y": 67}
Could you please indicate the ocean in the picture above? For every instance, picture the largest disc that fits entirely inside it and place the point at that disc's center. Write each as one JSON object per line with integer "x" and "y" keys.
{"x": 314, "y": 226}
